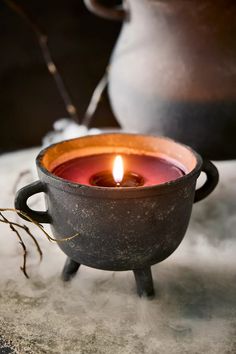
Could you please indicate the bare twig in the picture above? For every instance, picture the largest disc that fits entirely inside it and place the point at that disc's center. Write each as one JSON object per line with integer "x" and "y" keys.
{"x": 27, "y": 217}
{"x": 27, "y": 230}
{"x": 53, "y": 70}
{"x": 12, "y": 227}
{"x": 50, "y": 63}
{"x": 95, "y": 99}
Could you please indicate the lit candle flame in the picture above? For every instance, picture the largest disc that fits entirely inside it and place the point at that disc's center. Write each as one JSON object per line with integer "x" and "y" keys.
{"x": 118, "y": 169}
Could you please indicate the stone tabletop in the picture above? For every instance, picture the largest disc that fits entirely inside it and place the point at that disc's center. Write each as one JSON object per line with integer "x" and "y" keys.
{"x": 194, "y": 310}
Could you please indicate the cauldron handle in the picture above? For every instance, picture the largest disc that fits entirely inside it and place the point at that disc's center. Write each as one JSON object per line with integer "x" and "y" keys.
{"x": 212, "y": 180}
{"x": 114, "y": 13}
{"x": 21, "y": 202}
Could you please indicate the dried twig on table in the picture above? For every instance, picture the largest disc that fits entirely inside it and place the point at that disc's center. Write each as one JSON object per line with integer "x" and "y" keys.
{"x": 14, "y": 225}
{"x": 52, "y": 68}
{"x": 27, "y": 230}
{"x": 28, "y": 218}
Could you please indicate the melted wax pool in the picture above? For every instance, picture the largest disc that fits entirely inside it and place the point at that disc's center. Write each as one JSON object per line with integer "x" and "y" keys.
{"x": 154, "y": 170}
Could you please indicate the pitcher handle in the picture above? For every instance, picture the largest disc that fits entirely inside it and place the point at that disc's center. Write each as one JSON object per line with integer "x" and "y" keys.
{"x": 212, "y": 180}
{"x": 21, "y": 202}
{"x": 113, "y": 13}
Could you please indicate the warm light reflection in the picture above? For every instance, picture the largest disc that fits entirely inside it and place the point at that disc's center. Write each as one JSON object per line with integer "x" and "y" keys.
{"x": 118, "y": 169}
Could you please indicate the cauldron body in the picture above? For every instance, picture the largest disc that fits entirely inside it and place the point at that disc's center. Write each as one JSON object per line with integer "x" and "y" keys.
{"x": 118, "y": 228}
{"x": 173, "y": 71}
{"x": 120, "y": 234}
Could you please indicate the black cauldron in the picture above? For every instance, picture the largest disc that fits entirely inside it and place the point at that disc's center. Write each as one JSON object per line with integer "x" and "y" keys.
{"x": 119, "y": 228}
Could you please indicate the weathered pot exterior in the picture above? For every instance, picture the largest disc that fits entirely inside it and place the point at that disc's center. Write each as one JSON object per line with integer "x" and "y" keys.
{"x": 119, "y": 228}
{"x": 173, "y": 71}
{"x": 119, "y": 233}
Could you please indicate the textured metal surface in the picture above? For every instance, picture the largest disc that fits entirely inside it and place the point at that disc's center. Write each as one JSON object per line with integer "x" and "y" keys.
{"x": 118, "y": 229}
{"x": 143, "y": 277}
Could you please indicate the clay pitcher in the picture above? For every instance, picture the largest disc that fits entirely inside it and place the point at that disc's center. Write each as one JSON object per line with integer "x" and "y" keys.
{"x": 173, "y": 71}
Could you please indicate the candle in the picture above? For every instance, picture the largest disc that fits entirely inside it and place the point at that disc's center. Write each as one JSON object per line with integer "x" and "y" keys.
{"x": 118, "y": 177}
{"x": 126, "y": 170}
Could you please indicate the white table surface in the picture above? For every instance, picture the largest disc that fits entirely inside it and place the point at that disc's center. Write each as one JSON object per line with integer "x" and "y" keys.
{"x": 99, "y": 312}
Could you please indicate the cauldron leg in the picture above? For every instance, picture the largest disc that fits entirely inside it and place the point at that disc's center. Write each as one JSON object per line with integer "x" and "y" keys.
{"x": 144, "y": 282}
{"x": 70, "y": 269}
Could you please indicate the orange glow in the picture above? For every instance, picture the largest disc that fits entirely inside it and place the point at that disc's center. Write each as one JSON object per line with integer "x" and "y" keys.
{"x": 118, "y": 169}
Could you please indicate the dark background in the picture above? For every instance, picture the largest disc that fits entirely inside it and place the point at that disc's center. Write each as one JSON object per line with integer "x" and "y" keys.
{"x": 80, "y": 44}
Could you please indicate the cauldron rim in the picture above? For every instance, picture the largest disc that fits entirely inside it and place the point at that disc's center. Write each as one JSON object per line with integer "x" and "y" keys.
{"x": 112, "y": 192}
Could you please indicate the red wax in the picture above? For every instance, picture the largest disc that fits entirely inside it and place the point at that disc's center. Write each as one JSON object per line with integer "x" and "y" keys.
{"x": 154, "y": 170}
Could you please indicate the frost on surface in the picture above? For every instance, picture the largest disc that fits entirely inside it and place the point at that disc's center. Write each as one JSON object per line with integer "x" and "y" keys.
{"x": 99, "y": 312}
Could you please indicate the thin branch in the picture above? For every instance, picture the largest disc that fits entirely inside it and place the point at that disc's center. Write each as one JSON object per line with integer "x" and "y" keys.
{"x": 14, "y": 225}
{"x": 95, "y": 99}
{"x": 50, "y": 63}
{"x": 27, "y": 230}
{"x": 23, "y": 268}
{"x": 28, "y": 218}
